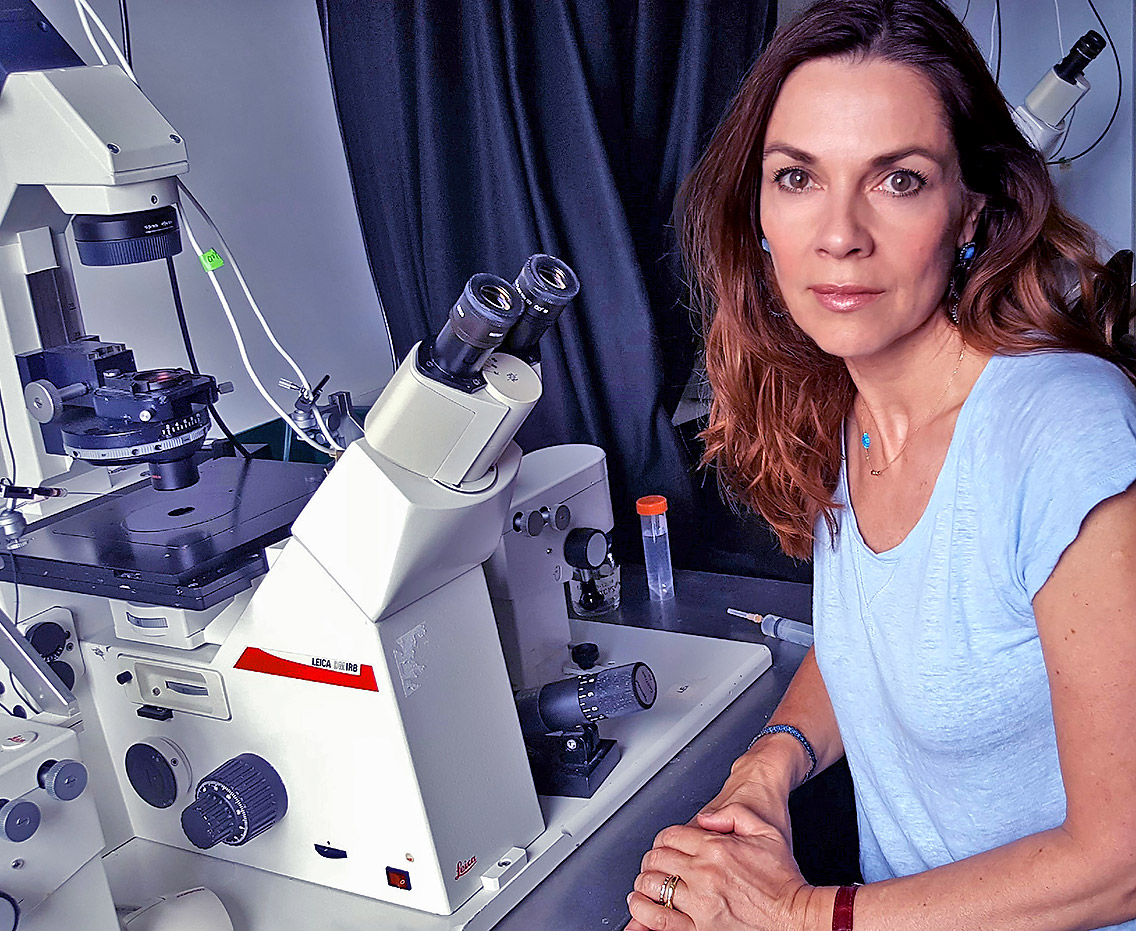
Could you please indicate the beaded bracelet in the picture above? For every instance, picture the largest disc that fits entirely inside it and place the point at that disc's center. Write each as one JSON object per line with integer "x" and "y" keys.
{"x": 792, "y": 732}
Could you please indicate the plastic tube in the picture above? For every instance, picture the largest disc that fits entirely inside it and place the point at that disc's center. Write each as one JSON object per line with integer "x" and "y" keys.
{"x": 656, "y": 546}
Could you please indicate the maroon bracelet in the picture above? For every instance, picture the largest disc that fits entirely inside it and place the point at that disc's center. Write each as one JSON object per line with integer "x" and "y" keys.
{"x": 842, "y": 908}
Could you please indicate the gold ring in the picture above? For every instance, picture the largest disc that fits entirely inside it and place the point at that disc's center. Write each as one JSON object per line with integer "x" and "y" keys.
{"x": 667, "y": 893}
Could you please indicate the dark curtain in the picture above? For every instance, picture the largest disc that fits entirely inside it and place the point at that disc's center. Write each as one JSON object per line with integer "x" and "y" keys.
{"x": 480, "y": 131}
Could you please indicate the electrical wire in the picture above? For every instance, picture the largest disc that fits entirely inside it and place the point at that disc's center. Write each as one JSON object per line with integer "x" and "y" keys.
{"x": 965, "y": 12}
{"x": 1060, "y": 38}
{"x": 180, "y": 310}
{"x": 227, "y": 253}
{"x": 86, "y": 23}
{"x": 1119, "y": 92}
{"x": 85, "y": 10}
{"x": 241, "y": 343}
{"x": 998, "y": 16}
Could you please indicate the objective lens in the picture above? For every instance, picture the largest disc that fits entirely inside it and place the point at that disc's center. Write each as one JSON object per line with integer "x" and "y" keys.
{"x": 547, "y": 286}
{"x": 479, "y": 321}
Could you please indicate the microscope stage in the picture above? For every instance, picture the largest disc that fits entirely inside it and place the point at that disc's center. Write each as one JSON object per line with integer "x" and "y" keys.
{"x": 190, "y": 548}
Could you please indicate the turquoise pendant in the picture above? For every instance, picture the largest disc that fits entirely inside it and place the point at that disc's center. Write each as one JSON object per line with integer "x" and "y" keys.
{"x": 866, "y": 440}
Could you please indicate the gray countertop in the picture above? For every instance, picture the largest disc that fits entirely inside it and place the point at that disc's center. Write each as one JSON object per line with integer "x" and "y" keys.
{"x": 588, "y": 892}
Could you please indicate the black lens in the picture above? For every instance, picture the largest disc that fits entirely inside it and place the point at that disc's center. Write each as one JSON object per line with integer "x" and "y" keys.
{"x": 546, "y": 286}
{"x": 1084, "y": 50}
{"x": 478, "y": 323}
{"x": 127, "y": 238}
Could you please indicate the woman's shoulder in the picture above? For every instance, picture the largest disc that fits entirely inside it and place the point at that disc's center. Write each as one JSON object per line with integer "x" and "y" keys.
{"x": 1053, "y": 385}
{"x": 1051, "y": 404}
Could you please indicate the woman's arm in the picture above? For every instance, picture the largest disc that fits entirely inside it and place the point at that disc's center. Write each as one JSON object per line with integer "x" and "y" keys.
{"x": 777, "y": 763}
{"x": 755, "y": 797}
{"x": 1079, "y": 875}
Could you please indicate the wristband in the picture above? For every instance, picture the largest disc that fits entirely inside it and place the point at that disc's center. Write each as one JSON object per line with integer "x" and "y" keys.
{"x": 794, "y": 733}
{"x": 842, "y": 908}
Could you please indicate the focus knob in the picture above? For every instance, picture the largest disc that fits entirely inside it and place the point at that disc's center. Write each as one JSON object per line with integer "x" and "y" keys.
{"x": 240, "y": 799}
{"x": 9, "y": 913}
{"x": 63, "y": 780}
{"x": 585, "y": 548}
{"x": 19, "y": 819}
{"x": 48, "y": 639}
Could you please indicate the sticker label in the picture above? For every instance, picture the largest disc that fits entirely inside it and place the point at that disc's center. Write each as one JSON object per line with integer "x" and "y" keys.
{"x": 409, "y": 657}
{"x": 324, "y": 669}
{"x": 211, "y": 261}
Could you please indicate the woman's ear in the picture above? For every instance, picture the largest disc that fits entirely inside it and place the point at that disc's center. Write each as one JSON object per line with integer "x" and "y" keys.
{"x": 973, "y": 210}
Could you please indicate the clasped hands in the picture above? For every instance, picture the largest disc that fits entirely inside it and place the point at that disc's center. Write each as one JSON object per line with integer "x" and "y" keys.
{"x": 735, "y": 863}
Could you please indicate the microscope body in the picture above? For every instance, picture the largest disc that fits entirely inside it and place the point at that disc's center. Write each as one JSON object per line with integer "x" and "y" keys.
{"x": 366, "y": 669}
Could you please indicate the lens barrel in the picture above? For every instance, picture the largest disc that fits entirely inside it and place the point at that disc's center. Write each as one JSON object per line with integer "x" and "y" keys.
{"x": 546, "y": 285}
{"x": 1084, "y": 50}
{"x": 127, "y": 238}
{"x": 479, "y": 322}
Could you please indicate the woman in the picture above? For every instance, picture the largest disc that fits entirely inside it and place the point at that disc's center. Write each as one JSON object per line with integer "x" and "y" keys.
{"x": 905, "y": 390}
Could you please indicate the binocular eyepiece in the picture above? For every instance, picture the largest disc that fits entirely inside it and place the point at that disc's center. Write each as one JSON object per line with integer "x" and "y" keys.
{"x": 492, "y": 314}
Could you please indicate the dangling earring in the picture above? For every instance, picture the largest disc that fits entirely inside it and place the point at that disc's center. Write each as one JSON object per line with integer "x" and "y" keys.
{"x": 764, "y": 244}
{"x": 963, "y": 258}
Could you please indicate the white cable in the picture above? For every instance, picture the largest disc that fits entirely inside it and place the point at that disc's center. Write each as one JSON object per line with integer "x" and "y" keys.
{"x": 1060, "y": 39}
{"x": 90, "y": 35}
{"x": 83, "y": 5}
{"x": 241, "y": 343}
{"x": 993, "y": 25}
{"x": 228, "y": 254}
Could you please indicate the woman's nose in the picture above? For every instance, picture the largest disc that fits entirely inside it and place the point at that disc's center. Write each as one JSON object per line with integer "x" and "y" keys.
{"x": 841, "y": 231}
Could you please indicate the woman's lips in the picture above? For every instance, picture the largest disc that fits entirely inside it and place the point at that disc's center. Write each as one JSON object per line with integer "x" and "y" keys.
{"x": 842, "y": 299}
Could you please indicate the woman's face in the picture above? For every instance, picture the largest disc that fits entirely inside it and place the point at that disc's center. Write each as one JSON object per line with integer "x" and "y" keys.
{"x": 862, "y": 204}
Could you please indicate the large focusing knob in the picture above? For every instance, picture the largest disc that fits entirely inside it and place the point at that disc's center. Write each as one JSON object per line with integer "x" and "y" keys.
{"x": 585, "y": 548}
{"x": 240, "y": 799}
{"x": 63, "y": 780}
{"x": 19, "y": 819}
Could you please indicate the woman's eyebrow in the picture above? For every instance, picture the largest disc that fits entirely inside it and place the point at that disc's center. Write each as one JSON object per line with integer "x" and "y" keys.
{"x": 880, "y": 161}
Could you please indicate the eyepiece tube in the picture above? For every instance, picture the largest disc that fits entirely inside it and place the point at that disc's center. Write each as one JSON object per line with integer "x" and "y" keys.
{"x": 572, "y": 703}
{"x": 1084, "y": 50}
{"x": 479, "y": 321}
{"x": 546, "y": 286}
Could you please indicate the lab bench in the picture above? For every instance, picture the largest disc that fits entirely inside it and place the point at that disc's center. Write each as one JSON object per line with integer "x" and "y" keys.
{"x": 588, "y": 891}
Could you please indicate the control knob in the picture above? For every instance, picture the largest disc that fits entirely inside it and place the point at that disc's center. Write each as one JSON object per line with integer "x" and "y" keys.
{"x": 19, "y": 819}
{"x": 240, "y": 799}
{"x": 63, "y": 780}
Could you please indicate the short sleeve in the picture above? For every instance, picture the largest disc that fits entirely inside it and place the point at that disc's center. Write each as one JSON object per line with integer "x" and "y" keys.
{"x": 1075, "y": 433}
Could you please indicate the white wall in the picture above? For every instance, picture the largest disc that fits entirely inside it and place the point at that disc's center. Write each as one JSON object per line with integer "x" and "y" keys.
{"x": 245, "y": 83}
{"x": 1098, "y": 187}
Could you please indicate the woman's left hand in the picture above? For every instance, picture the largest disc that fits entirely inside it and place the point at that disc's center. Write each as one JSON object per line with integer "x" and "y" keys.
{"x": 736, "y": 872}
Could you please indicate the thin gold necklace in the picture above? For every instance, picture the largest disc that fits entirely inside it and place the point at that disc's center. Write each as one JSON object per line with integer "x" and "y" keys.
{"x": 866, "y": 439}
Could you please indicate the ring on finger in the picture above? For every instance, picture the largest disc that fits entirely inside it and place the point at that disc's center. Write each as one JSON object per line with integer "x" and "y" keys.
{"x": 666, "y": 893}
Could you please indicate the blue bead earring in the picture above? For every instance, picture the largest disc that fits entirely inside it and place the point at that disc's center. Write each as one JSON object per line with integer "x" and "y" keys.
{"x": 764, "y": 243}
{"x": 963, "y": 258}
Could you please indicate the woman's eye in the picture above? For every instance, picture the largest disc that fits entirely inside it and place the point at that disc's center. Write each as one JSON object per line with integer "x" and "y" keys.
{"x": 793, "y": 179}
{"x": 902, "y": 182}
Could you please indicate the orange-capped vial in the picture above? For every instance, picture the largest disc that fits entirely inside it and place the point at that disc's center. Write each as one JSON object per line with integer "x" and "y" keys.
{"x": 656, "y": 546}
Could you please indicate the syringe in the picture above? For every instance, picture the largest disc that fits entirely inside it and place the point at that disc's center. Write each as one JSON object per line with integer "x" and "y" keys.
{"x": 773, "y": 625}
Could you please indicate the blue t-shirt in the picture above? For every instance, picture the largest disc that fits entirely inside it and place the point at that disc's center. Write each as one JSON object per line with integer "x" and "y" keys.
{"x": 930, "y": 651}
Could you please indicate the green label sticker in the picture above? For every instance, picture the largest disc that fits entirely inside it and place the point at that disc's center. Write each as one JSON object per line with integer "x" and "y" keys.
{"x": 211, "y": 261}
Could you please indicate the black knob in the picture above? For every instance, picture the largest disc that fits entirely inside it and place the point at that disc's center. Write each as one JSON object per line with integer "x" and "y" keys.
{"x": 48, "y": 639}
{"x": 152, "y": 773}
{"x": 64, "y": 671}
{"x": 571, "y": 703}
{"x": 123, "y": 678}
{"x": 240, "y": 799}
{"x": 585, "y": 655}
{"x": 585, "y": 548}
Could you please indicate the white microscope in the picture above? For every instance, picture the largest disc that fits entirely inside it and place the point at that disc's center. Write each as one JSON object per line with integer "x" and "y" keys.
{"x": 341, "y": 734}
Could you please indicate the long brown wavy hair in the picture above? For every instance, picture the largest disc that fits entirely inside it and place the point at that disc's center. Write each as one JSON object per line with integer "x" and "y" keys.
{"x": 779, "y": 401}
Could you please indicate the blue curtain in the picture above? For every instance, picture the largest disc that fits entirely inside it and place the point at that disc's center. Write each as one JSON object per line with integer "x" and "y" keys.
{"x": 480, "y": 131}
